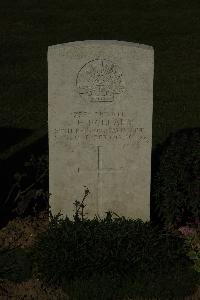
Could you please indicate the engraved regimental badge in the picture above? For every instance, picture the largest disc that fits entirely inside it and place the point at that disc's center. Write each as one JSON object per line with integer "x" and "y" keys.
{"x": 100, "y": 80}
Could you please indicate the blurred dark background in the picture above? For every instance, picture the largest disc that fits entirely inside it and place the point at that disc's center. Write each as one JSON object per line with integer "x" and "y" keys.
{"x": 28, "y": 27}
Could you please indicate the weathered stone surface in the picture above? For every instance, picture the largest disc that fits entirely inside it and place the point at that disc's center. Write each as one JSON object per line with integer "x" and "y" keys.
{"x": 100, "y": 127}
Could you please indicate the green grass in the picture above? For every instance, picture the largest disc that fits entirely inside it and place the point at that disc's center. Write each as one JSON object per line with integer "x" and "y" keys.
{"x": 27, "y": 28}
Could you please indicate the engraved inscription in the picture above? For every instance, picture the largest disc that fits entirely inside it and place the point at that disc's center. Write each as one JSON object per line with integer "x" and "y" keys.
{"x": 95, "y": 127}
{"x": 100, "y": 80}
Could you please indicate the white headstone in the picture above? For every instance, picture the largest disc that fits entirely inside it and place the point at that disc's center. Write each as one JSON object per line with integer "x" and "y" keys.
{"x": 100, "y": 127}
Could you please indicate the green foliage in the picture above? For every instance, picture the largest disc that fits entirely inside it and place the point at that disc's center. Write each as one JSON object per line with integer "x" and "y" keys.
{"x": 96, "y": 287}
{"x": 131, "y": 255}
{"x": 15, "y": 264}
{"x": 143, "y": 286}
{"x": 176, "y": 187}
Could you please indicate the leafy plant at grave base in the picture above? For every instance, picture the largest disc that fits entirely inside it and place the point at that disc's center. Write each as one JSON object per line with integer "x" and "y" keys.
{"x": 80, "y": 206}
{"x": 135, "y": 257}
{"x": 29, "y": 192}
{"x": 15, "y": 264}
{"x": 176, "y": 187}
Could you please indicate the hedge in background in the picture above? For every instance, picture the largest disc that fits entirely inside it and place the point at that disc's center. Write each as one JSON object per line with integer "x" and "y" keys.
{"x": 134, "y": 257}
{"x": 176, "y": 186}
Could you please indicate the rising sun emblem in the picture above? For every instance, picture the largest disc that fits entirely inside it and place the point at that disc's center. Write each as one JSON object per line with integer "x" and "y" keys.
{"x": 100, "y": 80}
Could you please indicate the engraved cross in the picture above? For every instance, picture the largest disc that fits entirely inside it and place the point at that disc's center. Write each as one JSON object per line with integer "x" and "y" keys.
{"x": 102, "y": 170}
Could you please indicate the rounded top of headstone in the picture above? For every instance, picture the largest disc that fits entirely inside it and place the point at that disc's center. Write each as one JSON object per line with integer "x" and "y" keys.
{"x": 101, "y": 43}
